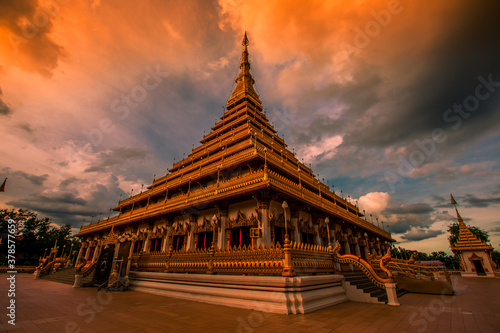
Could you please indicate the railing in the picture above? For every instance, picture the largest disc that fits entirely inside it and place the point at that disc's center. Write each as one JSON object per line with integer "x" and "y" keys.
{"x": 265, "y": 260}
{"x": 311, "y": 259}
{"x": 413, "y": 269}
{"x": 47, "y": 267}
{"x": 262, "y": 260}
{"x": 150, "y": 262}
{"x": 366, "y": 267}
{"x": 86, "y": 269}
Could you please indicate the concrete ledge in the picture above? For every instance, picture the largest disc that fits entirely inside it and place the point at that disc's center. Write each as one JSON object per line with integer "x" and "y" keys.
{"x": 274, "y": 294}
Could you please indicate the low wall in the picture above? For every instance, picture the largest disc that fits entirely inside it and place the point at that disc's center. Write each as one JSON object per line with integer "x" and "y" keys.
{"x": 274, "y": 294}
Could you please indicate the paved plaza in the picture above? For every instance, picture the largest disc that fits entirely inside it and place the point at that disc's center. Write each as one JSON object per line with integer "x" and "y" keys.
{"x": 45, "y": 306}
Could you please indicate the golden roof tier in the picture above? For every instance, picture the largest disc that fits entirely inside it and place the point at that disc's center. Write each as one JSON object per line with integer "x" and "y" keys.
{"x": 466, "y": 239}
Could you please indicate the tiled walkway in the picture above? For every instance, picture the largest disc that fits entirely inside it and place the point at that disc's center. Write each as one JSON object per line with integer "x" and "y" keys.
{"x": 45, "y": 306}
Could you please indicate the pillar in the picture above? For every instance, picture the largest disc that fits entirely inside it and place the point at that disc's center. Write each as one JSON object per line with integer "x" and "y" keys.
{"x": 294, "y": 214}
{"x": 193, "y": 219}
{"x": 96, "y": 252}
{"x": 117, "y": 247}
{"x": 392, "y": 295}
{"x": 316, "y": 232}
{"x": 263, "y": 202}
{"x": 130, "y": 253}
{"x": 223, "y": 213}
{"x": 347, "y": 249}
{"x": 166, "y": 241}
{"x": 358, "y": 249}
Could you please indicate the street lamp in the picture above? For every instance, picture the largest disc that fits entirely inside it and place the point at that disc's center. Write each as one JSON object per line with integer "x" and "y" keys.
{"x": 285, "y": 206}
{"x": 327, "y": 221}
{"x": 288, "y": 270}
{"x": 214, "y": 225}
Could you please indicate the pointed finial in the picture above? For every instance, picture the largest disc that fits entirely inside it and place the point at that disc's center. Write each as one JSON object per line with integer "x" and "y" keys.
{"x": 453, "y": 202}
{"x": 244, "y": 42}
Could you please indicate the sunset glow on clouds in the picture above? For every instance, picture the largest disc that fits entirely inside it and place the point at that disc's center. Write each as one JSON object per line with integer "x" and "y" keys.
{"x": 96, "y": 97}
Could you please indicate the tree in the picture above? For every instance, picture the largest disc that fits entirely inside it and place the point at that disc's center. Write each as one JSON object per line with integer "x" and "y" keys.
{"x": 453, "y": 229}
{"x": 450, "y": 261}
{"x": 35, "y": 236}
{"x": 495, "y": 255}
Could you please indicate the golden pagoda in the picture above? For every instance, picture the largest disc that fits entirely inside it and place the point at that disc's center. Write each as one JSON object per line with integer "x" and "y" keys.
{"x": 239, "y": 192}
{"x": 475, "y": 254}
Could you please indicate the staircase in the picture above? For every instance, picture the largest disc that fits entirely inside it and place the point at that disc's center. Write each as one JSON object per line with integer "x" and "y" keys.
{"x": 66, "y": 276}
{"x": 362, "y": 283}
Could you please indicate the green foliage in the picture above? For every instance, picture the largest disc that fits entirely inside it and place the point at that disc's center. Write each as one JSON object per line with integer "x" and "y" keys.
{"x": 35, "y": 236}
{"x": 450, "y": 261}
{"x": 453, "y": 229}
{"x": 495, "y": 255}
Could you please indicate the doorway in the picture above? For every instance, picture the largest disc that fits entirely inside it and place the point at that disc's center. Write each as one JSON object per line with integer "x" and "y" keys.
{"x": 479, "y": 267}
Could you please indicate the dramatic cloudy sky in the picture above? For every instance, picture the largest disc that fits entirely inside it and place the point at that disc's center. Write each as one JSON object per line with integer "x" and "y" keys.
{"x": 394, "y": 103}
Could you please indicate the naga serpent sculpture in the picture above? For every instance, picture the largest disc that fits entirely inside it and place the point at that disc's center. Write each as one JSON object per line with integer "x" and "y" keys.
{"x": 365, "y": 266}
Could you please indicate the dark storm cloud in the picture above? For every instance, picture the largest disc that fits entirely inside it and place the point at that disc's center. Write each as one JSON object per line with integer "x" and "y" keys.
{"x": 33, "y": 179}
{"x": 4, "y": 108}
{"x": 407, "y": 218}
{"x": 382, "y": 111}
{"x": 117, "y": 156}
{"x": 472, "y": 201}
{"x": 421, "y": 234}
{"x": 453, "y": 64}
{"x": 417, "y": 208}
{"x": 64, "y": 205}
{"x": 359, "y": 96}
{"x": 29, "y": 24}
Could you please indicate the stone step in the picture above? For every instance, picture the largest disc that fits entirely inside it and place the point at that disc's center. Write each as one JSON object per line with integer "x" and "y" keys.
{"x": 66, "y": 276}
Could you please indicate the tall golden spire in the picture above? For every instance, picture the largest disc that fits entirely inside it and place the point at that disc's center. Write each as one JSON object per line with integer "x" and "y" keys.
{"x": 244, "y": 81}
{"x": 454, "y": 203}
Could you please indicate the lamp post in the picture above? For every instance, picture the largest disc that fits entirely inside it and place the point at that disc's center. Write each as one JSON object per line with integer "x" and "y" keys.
{"x": 327, "y": 221}
{"x": 285, "y": 206}
{"x": 287, "y": 263}
{"x": 214, "y": 225}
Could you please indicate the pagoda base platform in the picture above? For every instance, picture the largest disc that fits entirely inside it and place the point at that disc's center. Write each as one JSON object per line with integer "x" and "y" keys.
{"x": 275, "y": 294}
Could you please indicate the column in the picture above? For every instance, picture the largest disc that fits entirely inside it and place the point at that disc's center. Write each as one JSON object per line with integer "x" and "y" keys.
{"x": 96, "y": 252}
{"x": 130, "y": 253}
{"x": 223, "y": 212}
{"x": 87, "y": 252}
{"x": 193, "y": 219}
{"x": 117, "y": 247}
{"x": 263, "y": 201}
{"x": 316, "y": 233}
{"x": 294, "y": 214}
{"x": 146, "y": 242}
{"x": 79, "y": 254}
{"x": 166, "y": 241}
{"x": 358, "y": 249}
{"x": 347, "y": 249}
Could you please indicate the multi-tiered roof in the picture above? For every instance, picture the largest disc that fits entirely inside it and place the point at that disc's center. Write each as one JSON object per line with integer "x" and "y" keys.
{"x": 467, "y": 241}
{"x": 240, "y": 157}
